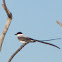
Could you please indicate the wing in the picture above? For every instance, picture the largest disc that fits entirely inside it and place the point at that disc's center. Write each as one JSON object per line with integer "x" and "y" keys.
{"x": 26, "y": 39}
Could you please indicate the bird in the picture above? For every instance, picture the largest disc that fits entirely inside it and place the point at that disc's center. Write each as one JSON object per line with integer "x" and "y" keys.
{"x": 24, "y": 39}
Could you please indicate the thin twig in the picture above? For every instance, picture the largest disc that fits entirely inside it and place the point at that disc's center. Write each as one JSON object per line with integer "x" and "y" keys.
{"x": 9, "y": 14}
{"x": 59, "y": 23}
{"x": 17, "y": 51}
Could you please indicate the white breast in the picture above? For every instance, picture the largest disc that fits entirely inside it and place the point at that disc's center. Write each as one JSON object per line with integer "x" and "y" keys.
{"x": 21, "y": 35}
{"x": 23, "y": 42}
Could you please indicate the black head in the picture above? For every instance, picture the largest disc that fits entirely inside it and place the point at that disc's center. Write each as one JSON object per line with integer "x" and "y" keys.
{"x": 19, "y": 33}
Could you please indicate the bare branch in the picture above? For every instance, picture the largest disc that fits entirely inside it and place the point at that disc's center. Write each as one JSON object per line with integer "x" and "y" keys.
{"x": 9, "y": 14}
{"x": 17, "y": 51}
{"x": 59, "y": 23}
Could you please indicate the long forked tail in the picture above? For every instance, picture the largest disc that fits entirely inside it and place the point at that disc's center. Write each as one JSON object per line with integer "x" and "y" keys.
{"x": 48, "y": 44}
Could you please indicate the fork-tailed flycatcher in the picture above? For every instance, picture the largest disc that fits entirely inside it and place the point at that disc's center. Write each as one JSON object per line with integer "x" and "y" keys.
{"x": 24, "y": 39}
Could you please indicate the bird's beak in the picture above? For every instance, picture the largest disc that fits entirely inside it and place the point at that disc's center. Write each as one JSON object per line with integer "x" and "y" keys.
{"x": 15, "y": 34}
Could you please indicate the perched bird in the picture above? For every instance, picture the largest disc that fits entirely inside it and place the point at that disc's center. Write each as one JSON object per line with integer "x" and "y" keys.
{"x": 24, "y": 39}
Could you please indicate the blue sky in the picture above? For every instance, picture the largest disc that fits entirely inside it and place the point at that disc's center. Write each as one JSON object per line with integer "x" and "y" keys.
{"x": 36, "y": 19}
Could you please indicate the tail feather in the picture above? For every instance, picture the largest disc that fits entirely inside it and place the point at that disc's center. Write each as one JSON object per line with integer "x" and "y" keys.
{"x": 48, "y": 44}
{"x": 52, "y": 39}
